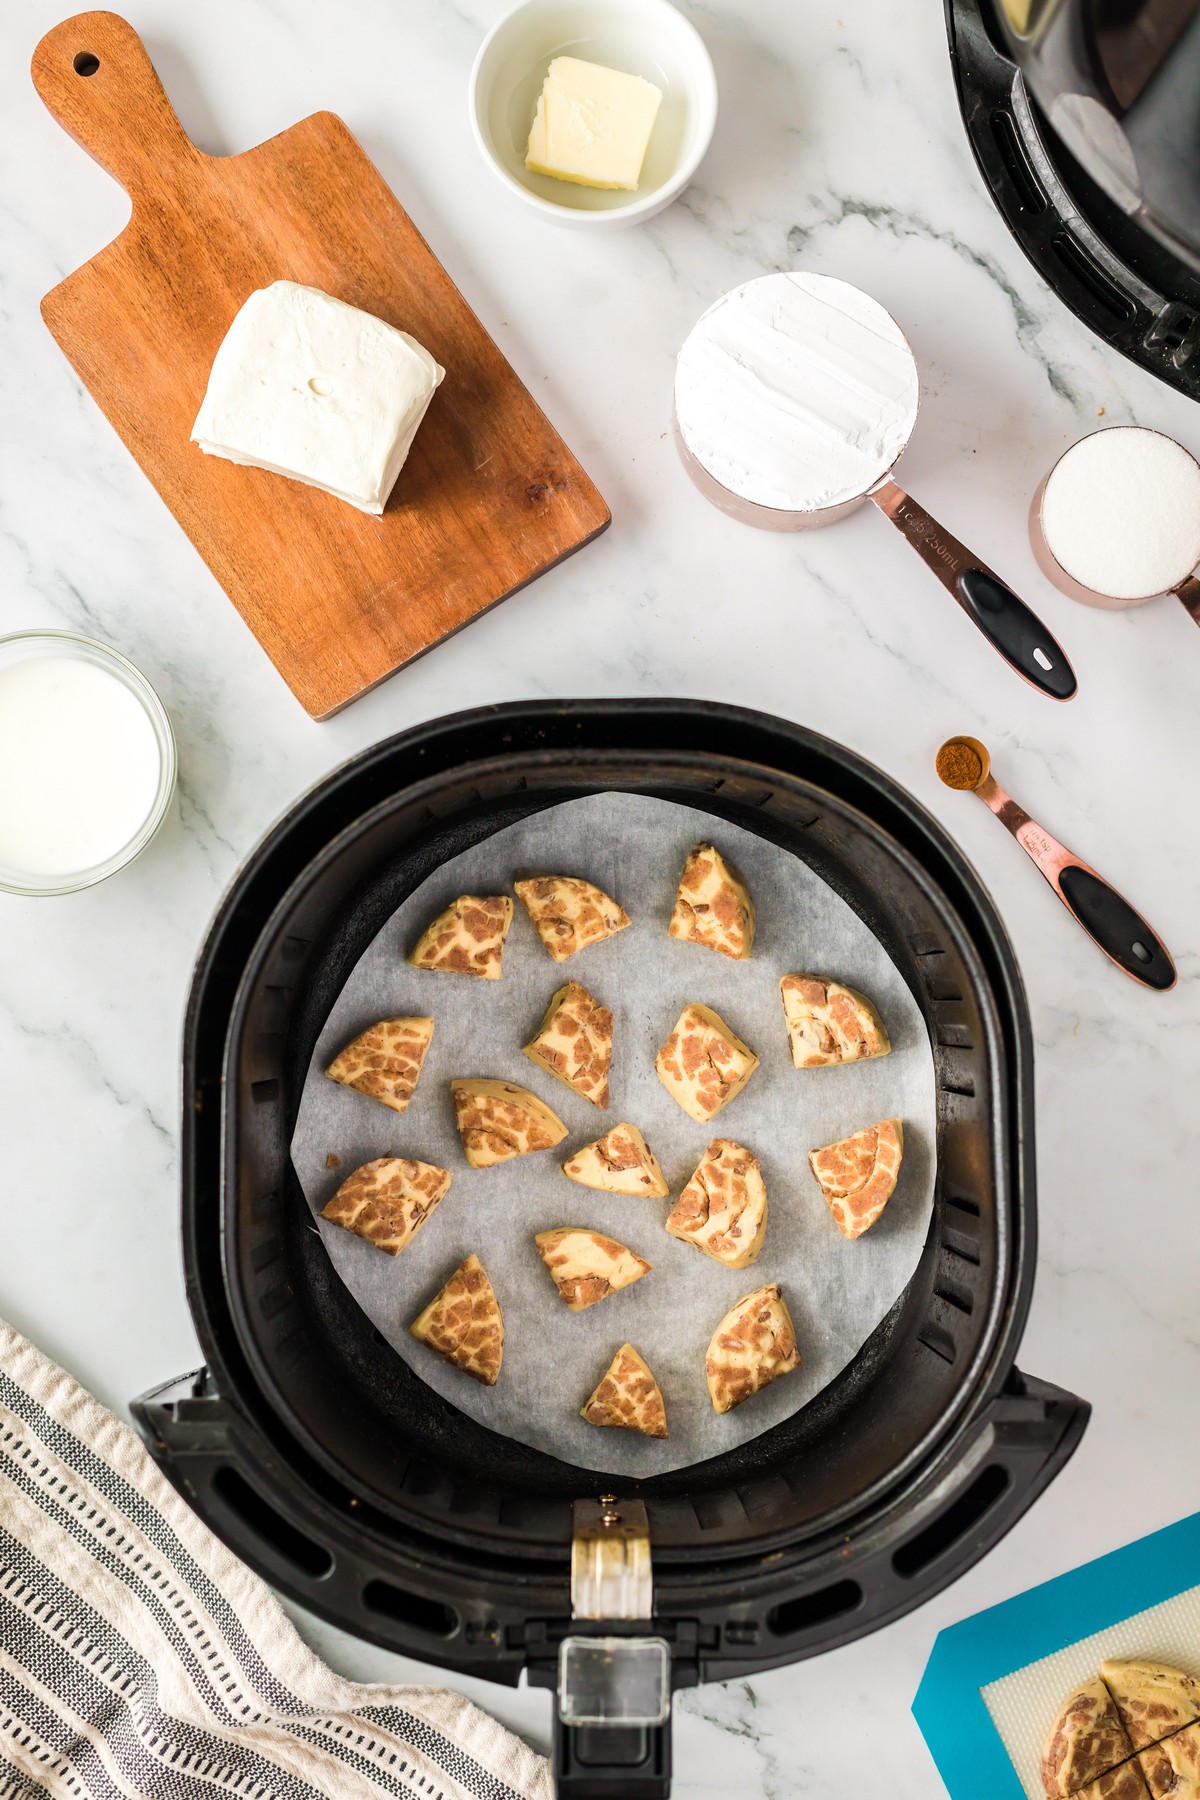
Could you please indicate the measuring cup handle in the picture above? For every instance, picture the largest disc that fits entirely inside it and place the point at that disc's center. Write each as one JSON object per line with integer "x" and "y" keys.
{"x": 1189, "y": 593}
{"x": 1006, "y": 622}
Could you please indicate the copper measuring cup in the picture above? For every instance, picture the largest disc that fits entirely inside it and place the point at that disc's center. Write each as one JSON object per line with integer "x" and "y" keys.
{"x": 1008, "y": 624}
{"x": 1186, "y": 588}
{"x": 1107, "y": 917}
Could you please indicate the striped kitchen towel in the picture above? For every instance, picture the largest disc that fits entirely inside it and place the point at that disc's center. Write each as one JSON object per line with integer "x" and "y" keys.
{"x": 138, "y": 1658}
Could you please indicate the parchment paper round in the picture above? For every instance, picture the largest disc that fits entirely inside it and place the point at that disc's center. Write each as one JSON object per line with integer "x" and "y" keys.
{"x": 634, "y": 848}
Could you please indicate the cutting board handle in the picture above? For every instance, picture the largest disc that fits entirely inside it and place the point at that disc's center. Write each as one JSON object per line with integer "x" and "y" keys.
{"x": 96, "y": 79}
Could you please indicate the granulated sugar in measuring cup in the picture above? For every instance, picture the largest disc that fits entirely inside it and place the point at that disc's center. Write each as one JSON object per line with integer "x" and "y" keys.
{"x": 795, "y": 396}
{"x": 1117, "y": 520}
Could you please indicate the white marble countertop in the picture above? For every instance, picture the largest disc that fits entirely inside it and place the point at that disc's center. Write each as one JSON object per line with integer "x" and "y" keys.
{"x": 839, "y": 148}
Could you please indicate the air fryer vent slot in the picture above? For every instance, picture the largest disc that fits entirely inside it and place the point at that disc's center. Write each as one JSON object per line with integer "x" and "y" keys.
{"x": 935, "y": 1338}
{"x": 1017, "y": 164}
{"x": 961, "y": 1252}
{"x": 809, "y": 1610}
{"x": 967, "y": 1512}
{"x": 276, "y": 1533}
{"x": 926, "y": 946}
{"x": 954, "y": 1037}
{"x": 963, "y": 1085}
{"x": 401, "y": 1604}
{"x": 953, "y": 1295}
{"x": 964, "y": 1204}
{"x": 1091, "y": 276}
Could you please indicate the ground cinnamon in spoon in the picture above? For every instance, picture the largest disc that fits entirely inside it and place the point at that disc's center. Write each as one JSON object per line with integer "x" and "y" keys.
{"x": 959, "y": 766}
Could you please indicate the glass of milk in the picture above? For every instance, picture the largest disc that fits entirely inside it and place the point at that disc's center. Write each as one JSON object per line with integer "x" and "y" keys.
{"x": 87, "y": 762}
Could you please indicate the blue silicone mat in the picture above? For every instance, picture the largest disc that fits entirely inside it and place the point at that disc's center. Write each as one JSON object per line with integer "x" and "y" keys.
{"x": 949, "y": 1706}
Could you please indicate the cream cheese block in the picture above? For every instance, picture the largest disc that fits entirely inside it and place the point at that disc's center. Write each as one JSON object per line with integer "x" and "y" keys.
{"x": 306, "y": 386}
{"x": 592, "y": 124}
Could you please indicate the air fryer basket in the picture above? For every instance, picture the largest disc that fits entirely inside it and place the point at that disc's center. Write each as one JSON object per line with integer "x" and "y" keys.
{"x": 324, "y": 1460}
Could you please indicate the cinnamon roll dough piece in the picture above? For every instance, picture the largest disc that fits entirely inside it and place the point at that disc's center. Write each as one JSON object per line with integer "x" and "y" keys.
{"x": 620, "y": 1162}
{"x": 387, "y": 1201}
{"x": 1154, "y": 1701}
{"x": 498, "y": 1120}
{"x": 586, "y": 1265}
{"x": 754, "y": 1344}
{"x": 713, "y": 905}
{"x": 574, "y": 1042}
{"x": 828, "y": 1023}
{"x": 468, "y": 938}
{"x": 1172, "y": 1768}
{"x": 464, "y": 1324}
{"x": 858, "y": 1175}
{"x": 384, "y": 1062}
{"x": 568, "y": 913}
{"x": 723, "y": 1208}
{"x": 627, "y": 1395}
{"x": 1087, "y": 1741}
{"x": 1125, "y": 1783}
{"x": 703, "y": 1064}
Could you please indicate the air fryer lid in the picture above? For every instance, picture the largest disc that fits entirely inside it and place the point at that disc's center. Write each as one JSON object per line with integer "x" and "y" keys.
{"x": 331, "y": 1467}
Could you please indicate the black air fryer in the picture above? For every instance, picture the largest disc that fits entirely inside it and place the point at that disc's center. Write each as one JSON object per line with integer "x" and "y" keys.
{"x": 322, "y": 1458}
{"x": 1084, "y": 117}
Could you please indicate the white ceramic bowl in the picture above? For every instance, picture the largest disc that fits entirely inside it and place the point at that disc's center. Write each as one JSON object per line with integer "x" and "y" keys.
{"x": 643, "y": 37}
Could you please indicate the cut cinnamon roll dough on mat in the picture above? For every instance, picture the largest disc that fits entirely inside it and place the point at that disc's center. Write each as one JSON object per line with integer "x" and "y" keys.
{"x": 632, "y": 846}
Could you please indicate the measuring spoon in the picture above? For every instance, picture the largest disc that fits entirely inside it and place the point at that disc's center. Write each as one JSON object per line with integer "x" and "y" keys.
{"x": 795, "y": 397}
{"x": 1123, "y": 935}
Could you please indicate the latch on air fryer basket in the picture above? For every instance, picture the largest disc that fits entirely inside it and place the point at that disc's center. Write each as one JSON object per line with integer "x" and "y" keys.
{"x": 611, "y": 1731}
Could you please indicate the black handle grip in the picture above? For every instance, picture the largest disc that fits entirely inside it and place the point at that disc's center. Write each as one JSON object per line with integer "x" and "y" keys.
{"x": 1120, "y": 932}
{"x": 611, "y": 1762}
{"x": 1015, "y": 630}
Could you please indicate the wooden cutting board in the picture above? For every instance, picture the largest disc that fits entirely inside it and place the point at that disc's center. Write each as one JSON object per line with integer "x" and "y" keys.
{"x": 490, "y": 495}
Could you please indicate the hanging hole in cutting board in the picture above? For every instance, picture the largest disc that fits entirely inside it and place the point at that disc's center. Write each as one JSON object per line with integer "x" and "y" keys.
{"x": 85, "y": 63}
{"x": 1040, "y": 657}
{"x": 1143, "y": 955}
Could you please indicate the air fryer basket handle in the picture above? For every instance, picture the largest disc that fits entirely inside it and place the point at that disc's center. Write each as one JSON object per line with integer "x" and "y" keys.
{"x": 611, "y": 1762}
{"x": 1023, "y": 1437}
